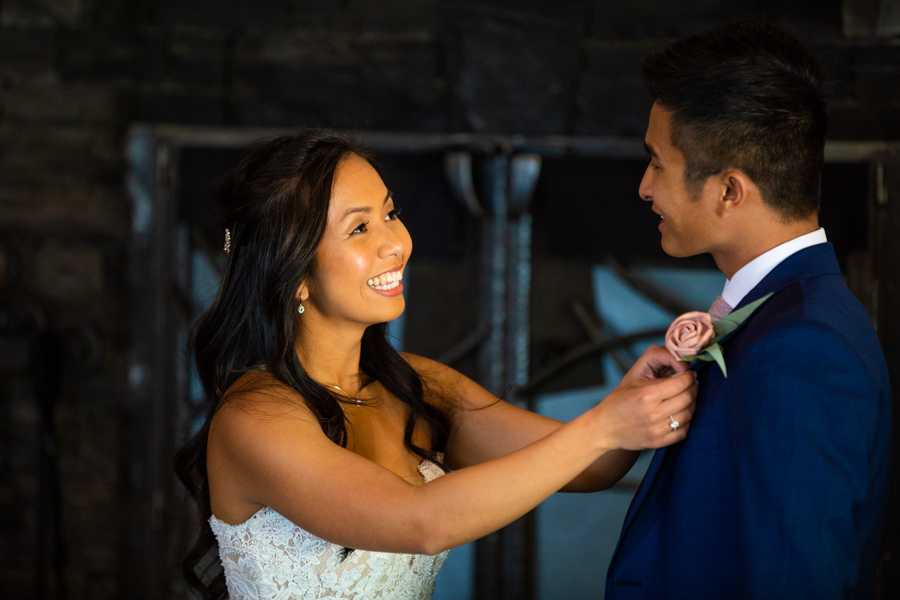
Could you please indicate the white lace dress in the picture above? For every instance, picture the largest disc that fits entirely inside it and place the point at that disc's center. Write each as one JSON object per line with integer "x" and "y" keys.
{"x": 267, "y": 557}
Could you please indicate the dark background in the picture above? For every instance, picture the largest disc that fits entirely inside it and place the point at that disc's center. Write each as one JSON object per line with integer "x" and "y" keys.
{"x": 75, "y": 74}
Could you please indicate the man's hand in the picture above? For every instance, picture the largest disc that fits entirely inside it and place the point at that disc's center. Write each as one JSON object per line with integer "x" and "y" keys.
{"x": 655, "y": 363}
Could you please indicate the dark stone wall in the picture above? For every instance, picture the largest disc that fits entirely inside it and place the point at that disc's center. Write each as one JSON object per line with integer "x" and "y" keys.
{"x": 74, "y": 74}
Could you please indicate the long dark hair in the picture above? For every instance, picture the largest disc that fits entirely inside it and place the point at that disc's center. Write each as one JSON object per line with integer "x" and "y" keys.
{"x": 276, "y": 206}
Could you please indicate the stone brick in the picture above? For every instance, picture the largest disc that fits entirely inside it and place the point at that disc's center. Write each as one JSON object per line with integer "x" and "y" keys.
{"x": 117, "y": 56}
{"x": 244, "y": 16}
{"x": 58, "y": 104}
{"x": 861, "y": 120}
{"x": 368, "y": 17}
{"x": 64, "y": 271}
{"x": 571, "y": 12}
{"x": 797, "y": 17}
{"x": 41, "y": 13}
{"x": 877, "y": 85}
{"x": 178, "y": 106}
{"x": 18, "y": 486}
{"x": 197, "y": 61}
{"x": 662, "y": 19}
{"x": 338, "y": 80}
{"x": 33, "y": 155}
{"x": 875, "y": 54}
{"x": 873, "y": 74}
{"x": 66, "y": 206}
{"x": 152, "y": 62}
{"x": 27, "y": 55}
{"x": 611, "y": 98}
{"x": 511, "y": 76}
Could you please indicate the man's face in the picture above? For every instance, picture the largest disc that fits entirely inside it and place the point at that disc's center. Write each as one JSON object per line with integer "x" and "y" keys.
{"x": 687, "y": 222}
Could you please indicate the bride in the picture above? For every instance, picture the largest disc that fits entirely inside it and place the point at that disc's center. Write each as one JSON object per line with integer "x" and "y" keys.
{"x": 332, "y": 466}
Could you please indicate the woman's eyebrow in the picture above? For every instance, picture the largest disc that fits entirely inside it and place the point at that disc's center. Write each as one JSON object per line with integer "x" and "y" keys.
{"x": 364, "y": 209}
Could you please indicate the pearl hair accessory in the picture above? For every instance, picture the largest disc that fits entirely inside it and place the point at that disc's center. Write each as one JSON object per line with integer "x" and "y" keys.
{"x": 227, "y": 241}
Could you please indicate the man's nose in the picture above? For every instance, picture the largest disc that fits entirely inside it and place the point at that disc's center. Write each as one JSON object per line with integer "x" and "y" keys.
{"x": 645, "y": 190}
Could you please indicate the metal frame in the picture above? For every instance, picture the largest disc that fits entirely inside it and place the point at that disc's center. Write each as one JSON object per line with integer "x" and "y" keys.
{"x": 159, "y": 274}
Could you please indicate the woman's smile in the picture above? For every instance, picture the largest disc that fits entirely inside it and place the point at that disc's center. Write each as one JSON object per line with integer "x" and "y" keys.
{"x": 389, "y": 283}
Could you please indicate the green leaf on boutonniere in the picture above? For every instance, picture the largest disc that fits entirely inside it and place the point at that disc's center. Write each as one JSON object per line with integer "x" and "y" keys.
{"x": 733, "y": 320}
{"x": 713, "y": 352}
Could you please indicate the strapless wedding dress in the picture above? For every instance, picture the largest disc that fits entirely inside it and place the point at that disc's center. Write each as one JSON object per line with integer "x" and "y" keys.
{"x": 267, "y": 557}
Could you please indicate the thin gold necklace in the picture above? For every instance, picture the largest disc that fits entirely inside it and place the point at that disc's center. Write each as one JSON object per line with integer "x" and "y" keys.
{"x": 349, "y": 397}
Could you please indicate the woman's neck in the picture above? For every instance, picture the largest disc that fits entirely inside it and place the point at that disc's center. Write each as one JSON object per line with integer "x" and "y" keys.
{"x": 330, "y": 354}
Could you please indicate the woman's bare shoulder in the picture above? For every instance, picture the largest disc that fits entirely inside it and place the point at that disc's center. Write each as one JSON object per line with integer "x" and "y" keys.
{"x": 257, "y": 400}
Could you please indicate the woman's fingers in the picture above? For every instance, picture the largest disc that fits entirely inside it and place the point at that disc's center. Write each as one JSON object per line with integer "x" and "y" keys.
{"x": 679, "y": 401}
{"x": 655, "y": 363}
{"x": 663, "y": 390}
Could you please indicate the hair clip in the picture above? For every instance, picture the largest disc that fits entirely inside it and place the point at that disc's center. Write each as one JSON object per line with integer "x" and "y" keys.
{"x": 227, "y": 241}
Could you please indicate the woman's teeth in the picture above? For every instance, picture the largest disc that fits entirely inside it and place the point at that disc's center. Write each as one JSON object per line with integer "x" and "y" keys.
{"x": 387, "y": 281}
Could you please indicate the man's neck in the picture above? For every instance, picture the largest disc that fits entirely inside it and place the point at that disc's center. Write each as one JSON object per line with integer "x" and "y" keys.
{"x": 753, "y": 244}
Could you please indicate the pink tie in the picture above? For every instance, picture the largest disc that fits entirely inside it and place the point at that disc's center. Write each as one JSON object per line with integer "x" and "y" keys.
{"x": 719, "y": 309}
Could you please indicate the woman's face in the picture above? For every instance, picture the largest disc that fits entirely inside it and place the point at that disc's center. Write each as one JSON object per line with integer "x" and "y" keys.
{"x": 360, "y": 261}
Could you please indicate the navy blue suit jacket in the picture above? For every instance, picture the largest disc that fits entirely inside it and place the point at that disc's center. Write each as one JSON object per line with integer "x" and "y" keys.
{"x": 780, "y": 488}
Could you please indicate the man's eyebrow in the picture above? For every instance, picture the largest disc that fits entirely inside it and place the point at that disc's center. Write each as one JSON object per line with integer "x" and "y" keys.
{"x": 650, "y": 150}
{"x": 364, "y": 209}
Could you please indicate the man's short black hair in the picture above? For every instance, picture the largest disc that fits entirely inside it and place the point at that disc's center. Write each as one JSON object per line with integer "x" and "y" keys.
{"x": 751, "y": 97}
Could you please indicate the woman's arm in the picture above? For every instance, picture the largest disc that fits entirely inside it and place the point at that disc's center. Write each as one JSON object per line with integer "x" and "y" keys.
{"x": 284, "y": 461}
{"x": 485, "y": 428}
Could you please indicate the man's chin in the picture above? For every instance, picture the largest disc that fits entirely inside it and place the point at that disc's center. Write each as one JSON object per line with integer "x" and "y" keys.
{"x": 675, "y": 251}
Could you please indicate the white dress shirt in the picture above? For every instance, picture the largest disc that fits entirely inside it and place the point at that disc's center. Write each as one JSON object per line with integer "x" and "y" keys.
{"x": 749, "y": 276}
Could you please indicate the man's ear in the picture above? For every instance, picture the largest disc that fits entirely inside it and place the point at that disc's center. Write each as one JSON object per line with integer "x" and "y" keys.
{"x": 735, "y": 188}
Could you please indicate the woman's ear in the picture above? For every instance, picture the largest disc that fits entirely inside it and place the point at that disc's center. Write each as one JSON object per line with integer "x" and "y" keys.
{"x": 302, "y": 292}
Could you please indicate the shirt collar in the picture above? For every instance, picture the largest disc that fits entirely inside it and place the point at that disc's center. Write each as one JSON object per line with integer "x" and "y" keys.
{"x": 749, "y": 276}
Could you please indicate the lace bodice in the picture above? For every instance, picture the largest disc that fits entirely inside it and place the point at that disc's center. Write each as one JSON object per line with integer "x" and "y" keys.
{"x": 267, "y": 557}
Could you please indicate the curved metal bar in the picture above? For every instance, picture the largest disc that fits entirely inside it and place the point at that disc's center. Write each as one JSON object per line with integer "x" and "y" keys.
{"x": 543, "y": 375}
{"x": 458, "y": 167}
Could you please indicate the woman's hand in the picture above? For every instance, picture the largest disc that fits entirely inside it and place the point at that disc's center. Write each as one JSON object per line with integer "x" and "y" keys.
{"x": 655, "y": 363}
{"x": 636, "y": 414}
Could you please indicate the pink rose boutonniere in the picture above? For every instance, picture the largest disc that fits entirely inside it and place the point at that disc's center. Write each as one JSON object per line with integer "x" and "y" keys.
{"x": 695, "y": 336}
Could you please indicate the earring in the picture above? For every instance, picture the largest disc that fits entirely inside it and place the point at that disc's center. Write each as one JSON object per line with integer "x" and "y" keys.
{"x": 300, "y": 309}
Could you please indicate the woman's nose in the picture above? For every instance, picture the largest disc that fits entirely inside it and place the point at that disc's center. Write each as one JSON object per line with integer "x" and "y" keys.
{"x": 393, "y": 243}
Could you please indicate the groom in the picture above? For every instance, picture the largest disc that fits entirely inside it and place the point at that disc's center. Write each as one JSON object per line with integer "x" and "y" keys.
{"x": 779, "y": 490}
